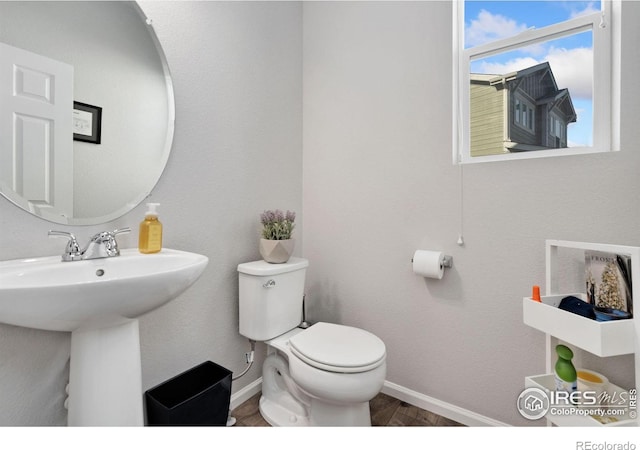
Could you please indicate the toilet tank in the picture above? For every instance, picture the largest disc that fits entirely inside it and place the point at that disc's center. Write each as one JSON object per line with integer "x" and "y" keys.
{"x": 270, "y": 297}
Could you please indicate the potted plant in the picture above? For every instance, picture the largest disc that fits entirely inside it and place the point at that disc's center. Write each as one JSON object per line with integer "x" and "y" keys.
{"x": 276, "y": 244}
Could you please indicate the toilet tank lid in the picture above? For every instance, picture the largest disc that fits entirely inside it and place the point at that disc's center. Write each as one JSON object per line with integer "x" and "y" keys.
{"x": 264, "y": 269}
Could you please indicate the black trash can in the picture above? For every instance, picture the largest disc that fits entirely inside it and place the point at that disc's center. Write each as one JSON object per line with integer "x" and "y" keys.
{"x": 199, "y": 396}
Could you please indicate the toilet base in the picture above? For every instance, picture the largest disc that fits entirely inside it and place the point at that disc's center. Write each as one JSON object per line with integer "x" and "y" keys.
{"x": 322, "y": 415}
{"x": 325, "y": 414}
{"x": 278, "y": 416}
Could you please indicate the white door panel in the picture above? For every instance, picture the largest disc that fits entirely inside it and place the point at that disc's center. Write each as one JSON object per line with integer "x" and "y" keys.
{"x": 36, "y": 134}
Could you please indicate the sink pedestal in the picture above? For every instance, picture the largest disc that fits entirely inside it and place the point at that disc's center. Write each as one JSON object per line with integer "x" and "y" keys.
{"x": 105, "y": 376}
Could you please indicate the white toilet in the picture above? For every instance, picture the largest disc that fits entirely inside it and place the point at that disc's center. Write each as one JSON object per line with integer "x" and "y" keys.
{"x": 324, "y": 375}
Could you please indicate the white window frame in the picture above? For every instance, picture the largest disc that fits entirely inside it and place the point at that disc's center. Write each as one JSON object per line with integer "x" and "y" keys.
{"x": 605, "y": 27}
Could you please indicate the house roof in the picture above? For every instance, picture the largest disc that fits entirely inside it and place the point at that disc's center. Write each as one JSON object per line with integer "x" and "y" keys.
{"x": 511, "y": 76}
{"x": 561, "y": 97}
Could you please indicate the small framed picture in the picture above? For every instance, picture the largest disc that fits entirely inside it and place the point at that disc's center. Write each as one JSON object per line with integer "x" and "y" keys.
{"x": 87, "y": 122}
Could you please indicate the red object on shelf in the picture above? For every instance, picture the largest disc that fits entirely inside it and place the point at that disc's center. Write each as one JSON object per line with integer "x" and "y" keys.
{"x": 536, "y": 294}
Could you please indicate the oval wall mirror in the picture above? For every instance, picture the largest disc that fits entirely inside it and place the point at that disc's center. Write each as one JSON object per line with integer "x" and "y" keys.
{"x": 117, "y": 142}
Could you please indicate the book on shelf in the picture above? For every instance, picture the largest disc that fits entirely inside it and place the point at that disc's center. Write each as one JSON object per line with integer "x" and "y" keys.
{"x": 608, "y": 277}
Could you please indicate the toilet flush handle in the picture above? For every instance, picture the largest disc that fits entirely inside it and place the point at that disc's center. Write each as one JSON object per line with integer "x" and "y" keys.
{"x": 269, "y": 284}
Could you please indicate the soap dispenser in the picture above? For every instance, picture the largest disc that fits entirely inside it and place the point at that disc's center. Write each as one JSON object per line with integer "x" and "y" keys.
{"x": 565, "y": 373}
{"x": 150, "y": 239}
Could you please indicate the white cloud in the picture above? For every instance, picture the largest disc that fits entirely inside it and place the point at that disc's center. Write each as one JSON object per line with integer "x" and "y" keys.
{"x": 510, "y": 66}
{"x": 488, "y": 27}
{"x": 573, "y": 68}
{"x": 589, "y": 9}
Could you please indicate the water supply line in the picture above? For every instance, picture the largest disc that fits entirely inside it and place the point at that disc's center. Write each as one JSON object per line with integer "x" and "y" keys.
{"x": 249, "y": 358}
{"x": 231, "y": 421}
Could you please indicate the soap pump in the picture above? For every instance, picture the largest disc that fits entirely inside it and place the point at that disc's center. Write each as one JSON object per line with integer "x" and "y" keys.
{"x": 150, "y": 239}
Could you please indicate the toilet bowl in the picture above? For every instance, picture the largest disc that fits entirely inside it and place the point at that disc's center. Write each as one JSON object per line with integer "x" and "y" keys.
{"x": 322, "y": 376}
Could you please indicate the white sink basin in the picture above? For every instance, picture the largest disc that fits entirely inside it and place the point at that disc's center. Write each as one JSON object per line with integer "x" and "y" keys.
{"x": 99, "y": 301}
{"x": 48, "y": 294}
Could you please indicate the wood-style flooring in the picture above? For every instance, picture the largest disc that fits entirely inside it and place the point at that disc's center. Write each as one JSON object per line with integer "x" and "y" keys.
{"x": 386, "y": 411}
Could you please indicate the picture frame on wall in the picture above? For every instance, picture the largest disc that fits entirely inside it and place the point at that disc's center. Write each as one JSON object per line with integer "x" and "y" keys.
{"x": 87, "y": 122}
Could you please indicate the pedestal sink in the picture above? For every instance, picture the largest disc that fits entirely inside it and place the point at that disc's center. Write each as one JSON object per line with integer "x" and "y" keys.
{"x": 98, "y": 301}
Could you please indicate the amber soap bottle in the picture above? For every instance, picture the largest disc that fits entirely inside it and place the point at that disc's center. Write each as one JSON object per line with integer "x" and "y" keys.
{"x": 150, "y": 239}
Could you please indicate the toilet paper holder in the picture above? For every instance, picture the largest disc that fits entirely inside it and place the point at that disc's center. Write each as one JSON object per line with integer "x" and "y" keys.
{"x": 447, "y": 262}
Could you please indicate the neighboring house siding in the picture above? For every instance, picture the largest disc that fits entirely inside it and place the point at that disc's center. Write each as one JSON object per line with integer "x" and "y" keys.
{"x": 537, "y": 84}
{"x": 522, "y": 136}
{"x": 487, "y": 120}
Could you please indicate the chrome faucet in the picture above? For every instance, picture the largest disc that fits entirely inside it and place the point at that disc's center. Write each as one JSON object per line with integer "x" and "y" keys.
{"x": 101, "y": 245}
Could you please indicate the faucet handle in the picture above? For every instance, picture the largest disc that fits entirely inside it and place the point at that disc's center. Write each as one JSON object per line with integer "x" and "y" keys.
{"x": 108, "y": 236}
{"x": 121, "y": 231}
{"x": 110, "y": 242}
{"x": 72, "y": 250}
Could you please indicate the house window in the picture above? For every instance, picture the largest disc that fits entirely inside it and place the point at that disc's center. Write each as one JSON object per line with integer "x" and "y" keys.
{"x": 560, "y": 62}
{"x": 524, "y": 114}
{"x": 557, "y": 130}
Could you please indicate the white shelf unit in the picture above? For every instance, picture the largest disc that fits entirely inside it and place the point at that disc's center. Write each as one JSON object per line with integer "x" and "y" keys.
{"x": 600, "y": 338}
{"x": 603, "y": 339}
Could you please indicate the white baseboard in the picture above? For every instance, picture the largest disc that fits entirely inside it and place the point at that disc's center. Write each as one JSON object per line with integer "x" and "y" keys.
{"x": 460, "y": 415}
{"x": 245, "y": 393}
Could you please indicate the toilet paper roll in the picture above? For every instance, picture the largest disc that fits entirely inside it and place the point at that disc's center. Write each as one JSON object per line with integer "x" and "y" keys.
{"x": 428, "y": 263}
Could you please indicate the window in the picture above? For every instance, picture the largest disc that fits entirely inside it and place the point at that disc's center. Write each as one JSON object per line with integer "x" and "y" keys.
{"x": 535, "y": 79}
{"x": 524, "y": 114}
{"x": 557, "y": 130}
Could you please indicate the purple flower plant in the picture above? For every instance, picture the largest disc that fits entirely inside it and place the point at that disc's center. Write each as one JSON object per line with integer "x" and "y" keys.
{"x": 277, "y": 225}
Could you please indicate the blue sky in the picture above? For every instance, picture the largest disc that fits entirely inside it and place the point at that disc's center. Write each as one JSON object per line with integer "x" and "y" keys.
{"x": 570, "y": 58}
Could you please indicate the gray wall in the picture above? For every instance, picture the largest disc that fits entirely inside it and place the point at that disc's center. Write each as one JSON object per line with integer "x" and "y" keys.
{"x": 379, "y": 184}
{"x": 238, "y": 150}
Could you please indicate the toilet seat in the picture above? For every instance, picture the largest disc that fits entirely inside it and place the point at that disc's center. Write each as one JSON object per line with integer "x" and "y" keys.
{"x": 338, "y": 348}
